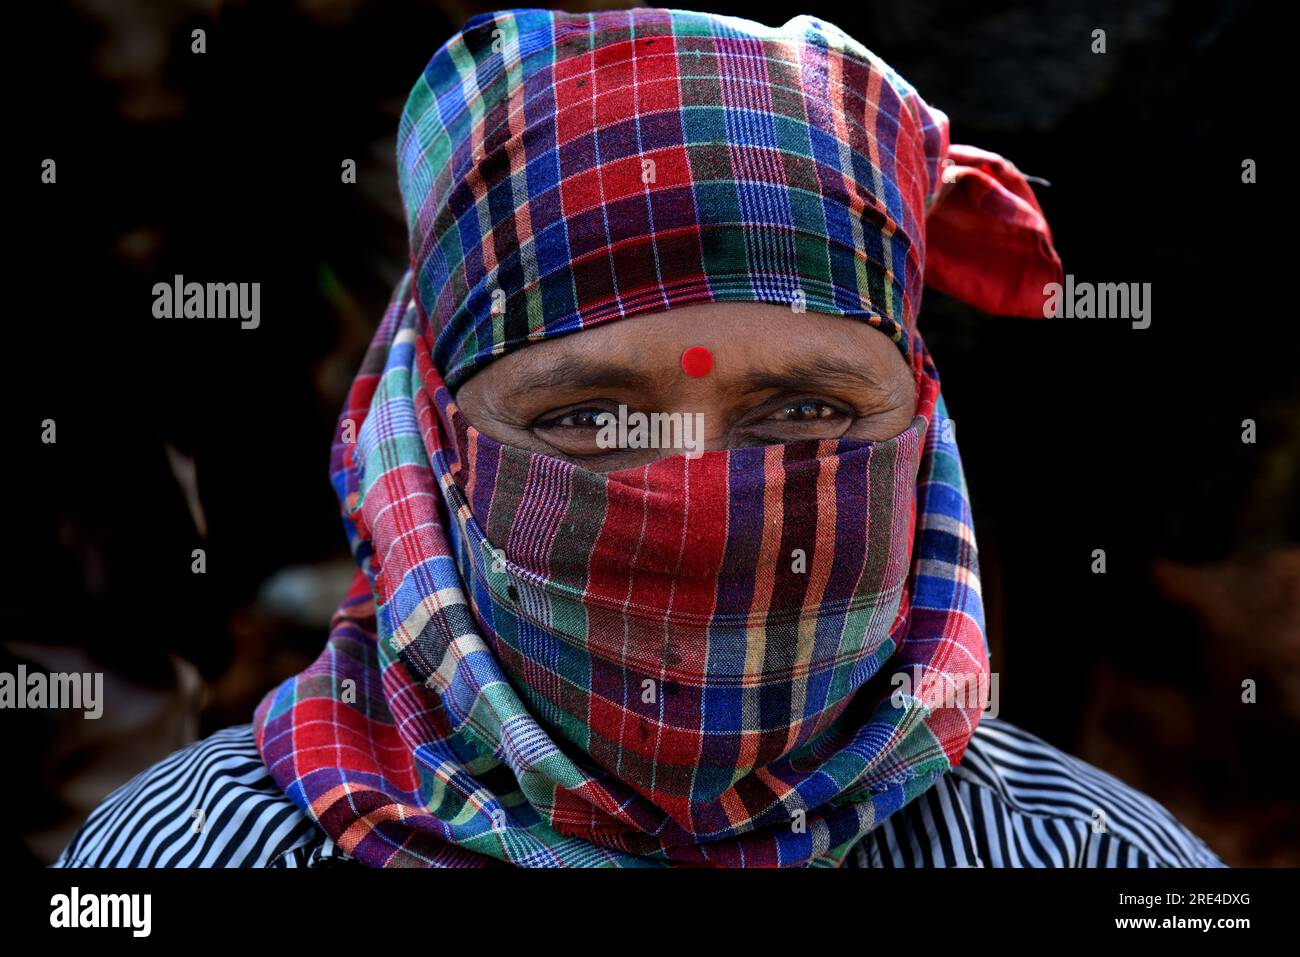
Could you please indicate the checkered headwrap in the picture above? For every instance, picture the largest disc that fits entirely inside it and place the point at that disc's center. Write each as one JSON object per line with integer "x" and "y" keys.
{"x": 561, "y": 170}
{"x": 549, "y": 666}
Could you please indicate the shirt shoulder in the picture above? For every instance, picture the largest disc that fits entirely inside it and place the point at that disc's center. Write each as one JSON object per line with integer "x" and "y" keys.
{"x": 1016, "y": 801}
{"x": 1013, "y": 801}
{"x": 212, "y": 804}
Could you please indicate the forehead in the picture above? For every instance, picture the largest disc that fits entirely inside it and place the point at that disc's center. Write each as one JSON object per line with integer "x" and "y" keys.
{"x": 744, "y": 339}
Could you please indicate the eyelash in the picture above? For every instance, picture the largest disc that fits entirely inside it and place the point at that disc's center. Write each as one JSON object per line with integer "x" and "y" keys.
{"x": 832, "y": 410}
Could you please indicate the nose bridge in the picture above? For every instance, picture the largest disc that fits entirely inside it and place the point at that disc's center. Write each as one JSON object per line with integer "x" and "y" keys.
{"x": 693, "y": 410}
{"x": 698, "y": 416}
{"x": 684, "y": 428}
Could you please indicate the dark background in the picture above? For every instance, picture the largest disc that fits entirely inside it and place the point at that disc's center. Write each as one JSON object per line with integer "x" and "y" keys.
{"x": 1076, "y": 435}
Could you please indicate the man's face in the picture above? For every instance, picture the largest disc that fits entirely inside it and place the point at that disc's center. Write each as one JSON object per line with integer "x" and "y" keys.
{"x": 778, "y": 376}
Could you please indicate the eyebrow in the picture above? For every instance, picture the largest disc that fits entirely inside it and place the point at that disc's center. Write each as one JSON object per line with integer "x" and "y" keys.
{"x": 572, "y": 374}
{"x": 820, "y": 370}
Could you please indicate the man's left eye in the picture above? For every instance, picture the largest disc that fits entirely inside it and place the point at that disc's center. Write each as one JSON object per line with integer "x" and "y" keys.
{"x": 806, "y": 410}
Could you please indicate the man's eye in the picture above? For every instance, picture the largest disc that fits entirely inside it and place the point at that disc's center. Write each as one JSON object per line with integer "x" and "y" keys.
{"x": 576, "y": 419}
{"x": 805, "y": 410}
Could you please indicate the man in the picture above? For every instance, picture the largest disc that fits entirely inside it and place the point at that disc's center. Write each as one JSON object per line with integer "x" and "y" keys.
{"x": 734, "y": 642}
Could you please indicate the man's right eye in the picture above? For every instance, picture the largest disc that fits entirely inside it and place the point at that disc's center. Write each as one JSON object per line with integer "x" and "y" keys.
{"x": 584, "y": 418}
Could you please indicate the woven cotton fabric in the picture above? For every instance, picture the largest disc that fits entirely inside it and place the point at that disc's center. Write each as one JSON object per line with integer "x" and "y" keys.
{"x": 541, "y": 665}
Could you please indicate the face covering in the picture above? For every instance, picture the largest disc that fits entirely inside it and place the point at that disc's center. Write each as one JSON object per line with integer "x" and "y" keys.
{"x": 694, "y": 662}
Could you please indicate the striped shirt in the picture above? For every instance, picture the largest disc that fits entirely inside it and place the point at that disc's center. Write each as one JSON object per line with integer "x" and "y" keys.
{"x": 1014, "y": 801}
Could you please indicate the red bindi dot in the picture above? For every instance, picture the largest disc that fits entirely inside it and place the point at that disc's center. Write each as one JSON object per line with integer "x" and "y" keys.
{"x": 697, "y": 361}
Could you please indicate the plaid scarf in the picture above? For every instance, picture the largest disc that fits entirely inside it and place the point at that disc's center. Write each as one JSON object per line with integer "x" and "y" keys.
{"x": 693, "y": 662}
